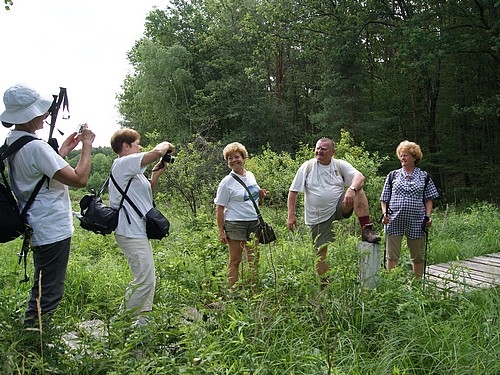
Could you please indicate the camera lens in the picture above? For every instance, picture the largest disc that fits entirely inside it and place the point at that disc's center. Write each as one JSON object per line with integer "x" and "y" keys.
{"x": 167, "y": 158}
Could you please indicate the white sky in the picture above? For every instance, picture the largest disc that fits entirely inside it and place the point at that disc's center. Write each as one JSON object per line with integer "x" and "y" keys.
{"x": 77, "y": 44}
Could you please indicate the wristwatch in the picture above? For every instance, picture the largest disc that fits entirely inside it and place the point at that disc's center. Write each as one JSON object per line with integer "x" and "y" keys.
{"x": 353, "y": 188}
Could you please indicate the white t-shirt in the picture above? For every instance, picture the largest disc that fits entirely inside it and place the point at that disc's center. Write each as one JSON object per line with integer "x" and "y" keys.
{"x": 123, "y": 169}
{"x": 233, "y": 196}
{"x": 50, "y": 215}
{"x": 322, "y": 186}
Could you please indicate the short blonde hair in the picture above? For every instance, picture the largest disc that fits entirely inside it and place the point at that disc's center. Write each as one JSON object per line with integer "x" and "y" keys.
{"x": 411, "y": 148}
{"x": 235, "y": 147}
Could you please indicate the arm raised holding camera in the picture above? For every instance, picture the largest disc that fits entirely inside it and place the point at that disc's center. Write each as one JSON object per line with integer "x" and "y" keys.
{"x": 151, "y": 156}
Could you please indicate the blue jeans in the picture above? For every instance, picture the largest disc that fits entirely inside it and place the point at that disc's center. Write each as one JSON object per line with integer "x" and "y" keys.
{"x": 51, "y": 262}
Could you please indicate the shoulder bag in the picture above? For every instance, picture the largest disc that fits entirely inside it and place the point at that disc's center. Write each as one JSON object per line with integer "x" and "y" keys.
{"x": 95, "y": 215}
{"x": 265, "y": 233}
{"x": 157, "y": 225}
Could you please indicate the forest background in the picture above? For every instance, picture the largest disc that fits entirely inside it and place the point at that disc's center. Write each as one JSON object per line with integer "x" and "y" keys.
{"x": 282, "y": 73}
{"x": 276, "y": 76}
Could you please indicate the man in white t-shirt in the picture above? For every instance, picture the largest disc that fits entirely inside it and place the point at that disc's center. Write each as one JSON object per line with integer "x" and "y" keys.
{"x": 323, "y": 181}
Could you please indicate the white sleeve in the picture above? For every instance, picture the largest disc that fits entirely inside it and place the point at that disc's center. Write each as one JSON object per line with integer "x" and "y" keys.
{"x": 299, "y": 181}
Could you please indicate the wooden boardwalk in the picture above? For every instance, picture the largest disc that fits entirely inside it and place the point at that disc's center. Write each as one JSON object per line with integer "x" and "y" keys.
{"x": 479, "y": 272}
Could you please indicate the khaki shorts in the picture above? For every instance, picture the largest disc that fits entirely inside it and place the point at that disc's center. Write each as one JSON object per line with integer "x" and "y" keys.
{"x": 322, "y": 233}
{"x": 240, "y": 230}
{"x": 416, "y": 247}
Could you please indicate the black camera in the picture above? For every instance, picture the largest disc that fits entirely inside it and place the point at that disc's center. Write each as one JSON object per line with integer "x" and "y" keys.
{"x": 168, "y": 158}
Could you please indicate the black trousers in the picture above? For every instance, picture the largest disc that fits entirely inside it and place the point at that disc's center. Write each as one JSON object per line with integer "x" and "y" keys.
{"x": 51, "y": 262}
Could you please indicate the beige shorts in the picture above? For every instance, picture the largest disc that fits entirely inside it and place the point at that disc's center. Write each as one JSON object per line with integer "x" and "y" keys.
{"x": 322, "y": 233}
{"x": 416, "y": 247}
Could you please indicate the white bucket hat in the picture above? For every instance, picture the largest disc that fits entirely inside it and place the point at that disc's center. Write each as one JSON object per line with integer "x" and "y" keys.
{"x": 23, "y": 104}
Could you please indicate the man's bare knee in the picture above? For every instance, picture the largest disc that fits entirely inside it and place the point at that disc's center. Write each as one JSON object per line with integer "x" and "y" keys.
{"x": 361, "y": 204}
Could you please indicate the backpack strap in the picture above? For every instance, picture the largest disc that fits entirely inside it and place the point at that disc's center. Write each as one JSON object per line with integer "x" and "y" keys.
{"x": 16, "y": 145}
{"x": 391, "y": 178}
{"x": 310, "y": 164}
{"x": 427, "y": 178}
{"x": 7, "y": 151}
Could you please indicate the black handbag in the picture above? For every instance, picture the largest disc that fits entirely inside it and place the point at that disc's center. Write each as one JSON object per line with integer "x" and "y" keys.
{"x": 95, "y": 215}
{"x": 157, "y": 225}
{"x": 265, "y": 232}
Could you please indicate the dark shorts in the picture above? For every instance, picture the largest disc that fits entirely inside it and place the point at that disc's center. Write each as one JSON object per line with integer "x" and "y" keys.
{"x": 240, "y": 230}
{"x": 322, "y": 233}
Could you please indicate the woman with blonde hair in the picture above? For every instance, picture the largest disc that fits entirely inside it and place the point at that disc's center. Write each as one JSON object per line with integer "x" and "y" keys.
{"x": 406, "y": 203}
{"x": 235, "y": 213}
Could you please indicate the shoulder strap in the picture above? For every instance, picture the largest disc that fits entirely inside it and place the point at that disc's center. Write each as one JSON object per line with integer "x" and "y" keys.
{"x": 337, "y": 167}
{"x": 310, "y": 164}
{"x": 10, "y": 150}
{"x": 16, "y": 145}
{"x": 390, "y": 179}
{"x": 103, "y": 187}
{"x": 427, "y": 178}
{"x": 237, "y": 178}
{"x": 124, "y": 194}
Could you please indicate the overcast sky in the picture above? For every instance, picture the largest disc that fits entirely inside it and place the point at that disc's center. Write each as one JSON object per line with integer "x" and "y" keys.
{"x": 77, "y": 44}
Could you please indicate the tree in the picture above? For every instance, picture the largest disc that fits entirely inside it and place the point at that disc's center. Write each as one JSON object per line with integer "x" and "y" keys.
{"x": 195, "y": 175}
{"x": 157, "y": 98}
{"x": 281, "y": 73}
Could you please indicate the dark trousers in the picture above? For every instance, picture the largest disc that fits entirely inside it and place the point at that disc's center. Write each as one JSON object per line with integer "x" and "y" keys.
{"x": 51, "y": 262}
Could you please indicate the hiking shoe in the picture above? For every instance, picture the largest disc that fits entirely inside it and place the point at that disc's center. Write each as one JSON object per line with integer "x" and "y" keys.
{"x": 368, "y": 235}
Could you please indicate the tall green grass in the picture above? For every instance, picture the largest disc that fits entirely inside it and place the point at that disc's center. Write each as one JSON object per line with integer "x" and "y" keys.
{"x": 289, "y": 326}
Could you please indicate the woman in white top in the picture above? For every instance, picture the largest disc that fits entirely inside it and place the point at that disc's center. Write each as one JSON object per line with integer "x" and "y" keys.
{"x": 130, "y": 233}
{"x": 235, "y": 213}
{"x": 50, "y": 215}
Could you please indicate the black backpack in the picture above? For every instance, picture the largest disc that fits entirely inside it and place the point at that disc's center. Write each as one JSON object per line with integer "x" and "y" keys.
{"x": 13, "y": 221}
{"x": 95, "y": 215}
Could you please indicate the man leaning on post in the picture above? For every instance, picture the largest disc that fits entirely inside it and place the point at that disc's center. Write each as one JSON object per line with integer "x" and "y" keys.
{"x": 323, "y": 180}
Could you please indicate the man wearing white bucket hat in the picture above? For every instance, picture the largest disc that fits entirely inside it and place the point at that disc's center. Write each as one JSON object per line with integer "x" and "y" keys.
{"x": 50, "y": 215}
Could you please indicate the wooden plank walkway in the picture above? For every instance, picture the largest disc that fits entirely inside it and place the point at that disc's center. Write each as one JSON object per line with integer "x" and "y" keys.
{"x": 479, "y": 272}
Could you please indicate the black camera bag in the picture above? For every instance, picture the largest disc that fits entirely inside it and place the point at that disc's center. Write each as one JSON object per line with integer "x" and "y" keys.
{"x": 95, "y": 215}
